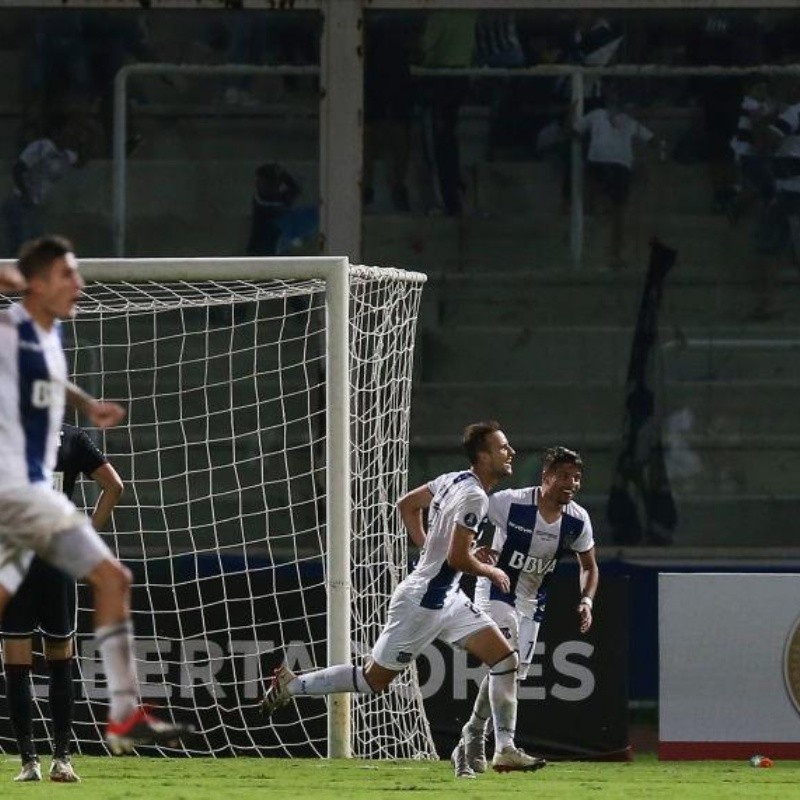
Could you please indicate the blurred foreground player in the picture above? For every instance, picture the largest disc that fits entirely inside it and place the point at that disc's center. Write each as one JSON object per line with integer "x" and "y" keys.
{"x": 34, "y": 517}
{"x": 45, "y": 602}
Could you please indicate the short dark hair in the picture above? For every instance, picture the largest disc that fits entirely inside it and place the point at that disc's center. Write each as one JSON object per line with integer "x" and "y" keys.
{"x": 474, "y": 439}
{"x": 38, "y": 255}
{"x": 555, "y": 456}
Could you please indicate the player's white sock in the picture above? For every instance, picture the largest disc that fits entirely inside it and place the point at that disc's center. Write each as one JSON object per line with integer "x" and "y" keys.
{"x": 115, "y": 643}
{"x": 503, "y": 698}
{"x": 331, "y": 680}
{"x": 482, "y": 710}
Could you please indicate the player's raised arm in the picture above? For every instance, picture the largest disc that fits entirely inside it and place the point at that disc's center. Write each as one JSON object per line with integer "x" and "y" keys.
{"x": 411, "y": 505}
{"x": 589, "y": 579}
{"x": 11, "y": 279}
{"x": 102, "y": 413}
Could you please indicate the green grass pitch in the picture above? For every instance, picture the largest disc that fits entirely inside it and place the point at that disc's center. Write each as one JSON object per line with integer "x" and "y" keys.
{"x": 273, "y": 779}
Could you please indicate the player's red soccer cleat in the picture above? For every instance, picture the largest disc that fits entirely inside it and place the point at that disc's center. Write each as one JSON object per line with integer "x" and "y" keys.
{"x": 278, "y": 693}
{"x": 141, "y": 727}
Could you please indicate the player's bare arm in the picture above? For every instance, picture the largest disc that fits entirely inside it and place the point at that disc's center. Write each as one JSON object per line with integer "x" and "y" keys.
{"x": 111, "y": 486}
{"x": 485, "y": 554}
{"x": 101, "y": 413}
{"x": 411, "y": 505}
{"x": 11, "y": 279}
{"x": 461, "y": 557}
{"x": 589, "y": 579}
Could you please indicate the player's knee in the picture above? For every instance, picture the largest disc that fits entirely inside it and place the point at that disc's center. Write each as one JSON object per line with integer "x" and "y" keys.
{"x": 507, "y": 664}
{"x": 111, "y": 577}
{"x": 123, "y": 578}
{"x": 126, "y": 576}
{"x": 377, "y": 677}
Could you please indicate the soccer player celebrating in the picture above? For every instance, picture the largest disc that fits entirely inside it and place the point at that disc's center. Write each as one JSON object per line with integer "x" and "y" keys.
{"x": 45, "y": 601}
{"x": 429, "y": 604}
{"x": 534, "y": 527}
{"x": 34, "y": 517}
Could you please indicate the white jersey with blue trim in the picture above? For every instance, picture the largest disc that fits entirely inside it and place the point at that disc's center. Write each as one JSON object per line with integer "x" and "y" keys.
{"x": 458, "y": 499}
{"x": 529, "y": 547}
{"x": 33, "y": 374}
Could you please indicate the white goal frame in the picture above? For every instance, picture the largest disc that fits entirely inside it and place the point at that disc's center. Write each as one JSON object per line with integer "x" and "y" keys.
{"x": 335, "y": 272}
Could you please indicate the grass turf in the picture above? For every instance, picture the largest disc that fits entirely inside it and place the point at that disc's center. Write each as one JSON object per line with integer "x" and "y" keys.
{"x": 245, "y": 778}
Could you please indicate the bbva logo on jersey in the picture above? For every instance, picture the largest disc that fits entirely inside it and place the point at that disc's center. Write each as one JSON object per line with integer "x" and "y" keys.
{"x": 526, "y": 563}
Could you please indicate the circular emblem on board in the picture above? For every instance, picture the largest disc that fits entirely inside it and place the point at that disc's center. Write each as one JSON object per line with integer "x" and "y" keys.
{"x": 791, "y": 664}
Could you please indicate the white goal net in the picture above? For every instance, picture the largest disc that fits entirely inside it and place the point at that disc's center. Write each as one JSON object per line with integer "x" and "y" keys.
{"x": 228, "y": 461}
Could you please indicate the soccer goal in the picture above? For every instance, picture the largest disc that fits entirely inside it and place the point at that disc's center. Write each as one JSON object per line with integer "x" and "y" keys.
{"x": 265, "y": 445}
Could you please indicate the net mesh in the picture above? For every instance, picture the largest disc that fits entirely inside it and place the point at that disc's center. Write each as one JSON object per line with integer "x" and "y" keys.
{"x": 222, "y": 520}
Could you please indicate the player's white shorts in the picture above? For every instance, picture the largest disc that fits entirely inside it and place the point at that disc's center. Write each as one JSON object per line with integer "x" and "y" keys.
{"x": 520, "y": 630}
{"x": 410, "y": 628}
{"x": 39, "y": 519}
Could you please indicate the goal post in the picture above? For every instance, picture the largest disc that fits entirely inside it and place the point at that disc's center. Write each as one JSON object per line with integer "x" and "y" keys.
{"x": 225, "y": 430}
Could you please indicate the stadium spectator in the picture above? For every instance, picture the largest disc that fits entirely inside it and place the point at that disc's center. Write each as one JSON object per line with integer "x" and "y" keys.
{"x": 533, "y": 528}
{"x": 447, "y": 42}
{"x": 249, "y": 42}
{"x": 388, "y": 102}
{"x": 34, "y": 517}
{"x": 593, "y": 41}
{"x": 725, "y": 39}
{"x": 778, "y": 228}
{"x": 611, "y": 133}
{"x": 39, "y": 166}
{"x": 45, "y": 602}
{"x": 754, "y": 169}
{"x": 110, "y": 41}
{"x": 277, "y": 225}
{"x": 429, "y": 604}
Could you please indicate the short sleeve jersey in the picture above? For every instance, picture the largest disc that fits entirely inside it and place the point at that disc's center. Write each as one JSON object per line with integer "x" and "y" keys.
{"x": 529, "y": 547}
{"x": 611, "y": 136}
{"x": 458, "y": 499}
{"x": 78, "y": 454}
{"x": 33, "y": 373}
{"x": 44, "y": 165}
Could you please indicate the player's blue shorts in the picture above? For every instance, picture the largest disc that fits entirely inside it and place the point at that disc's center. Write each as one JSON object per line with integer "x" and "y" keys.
{"x": 44, "y": 603}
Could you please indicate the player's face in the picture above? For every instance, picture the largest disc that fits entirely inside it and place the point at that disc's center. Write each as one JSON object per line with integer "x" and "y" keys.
{"x": 58, "y": 289}
{"x": 499, "y": 454}
{"x": 561, "y": 483}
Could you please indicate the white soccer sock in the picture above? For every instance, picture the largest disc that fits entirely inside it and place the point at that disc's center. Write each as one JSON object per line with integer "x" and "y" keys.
{"x": 503, "y": 699}
{"x": 331, "y": 680}
{"x": 482, "y": 710}
{"x": 115, "y": 643}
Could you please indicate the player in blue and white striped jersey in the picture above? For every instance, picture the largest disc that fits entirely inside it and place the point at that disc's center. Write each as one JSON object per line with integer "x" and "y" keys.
{"x": 34, "y": 517}
{"x": 429, "y": 604}
{"x": 534, "y": 528}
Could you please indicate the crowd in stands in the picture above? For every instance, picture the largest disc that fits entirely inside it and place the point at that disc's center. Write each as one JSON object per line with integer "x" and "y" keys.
{"x": 74, "y": 54}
